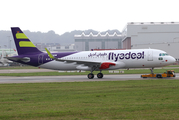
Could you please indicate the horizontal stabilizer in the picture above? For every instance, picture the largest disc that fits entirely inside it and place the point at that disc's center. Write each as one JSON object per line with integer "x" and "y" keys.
{"x": 25, "y": 59}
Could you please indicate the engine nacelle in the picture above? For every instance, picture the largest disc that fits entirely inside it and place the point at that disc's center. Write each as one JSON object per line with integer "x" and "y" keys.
{"x": 106, "y": 65}
{"x": 111, "y": 65}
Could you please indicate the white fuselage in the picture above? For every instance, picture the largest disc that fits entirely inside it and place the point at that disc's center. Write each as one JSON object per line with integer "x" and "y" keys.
{"x": 136, "y": 58}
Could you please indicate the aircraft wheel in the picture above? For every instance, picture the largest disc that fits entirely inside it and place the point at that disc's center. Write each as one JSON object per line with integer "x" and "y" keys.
{"x": 100, "y": 75}
{"x": 90, "y": 75}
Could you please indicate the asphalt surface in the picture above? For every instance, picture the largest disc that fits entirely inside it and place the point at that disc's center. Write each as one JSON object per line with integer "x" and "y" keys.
{"x": 74, "y": 78}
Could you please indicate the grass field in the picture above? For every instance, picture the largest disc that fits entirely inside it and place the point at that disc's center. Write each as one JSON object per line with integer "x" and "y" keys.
{"x": 139, "y": 99}
{"x": 56, "y": 73}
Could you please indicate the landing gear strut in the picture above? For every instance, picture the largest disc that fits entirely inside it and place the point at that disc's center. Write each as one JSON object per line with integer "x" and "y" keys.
{"x": 152, "y": 72}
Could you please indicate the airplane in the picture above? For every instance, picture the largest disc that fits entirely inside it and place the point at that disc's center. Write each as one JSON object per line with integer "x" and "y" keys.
{"x": 87, "y": 60}
{"x": 8, "y": 51}
{"x": 3, "y": 60}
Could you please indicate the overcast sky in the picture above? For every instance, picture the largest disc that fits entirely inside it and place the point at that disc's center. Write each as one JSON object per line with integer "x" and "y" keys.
{"x": 67, "y": 15}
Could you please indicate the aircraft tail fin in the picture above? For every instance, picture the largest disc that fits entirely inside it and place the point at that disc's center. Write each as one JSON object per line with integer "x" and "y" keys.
{"x": 22, "y": 42}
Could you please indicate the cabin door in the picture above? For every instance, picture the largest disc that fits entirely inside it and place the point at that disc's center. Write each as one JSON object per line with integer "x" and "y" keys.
{"x": 150, "y": 55}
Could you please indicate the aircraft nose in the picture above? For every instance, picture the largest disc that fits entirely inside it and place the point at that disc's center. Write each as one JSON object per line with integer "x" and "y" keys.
{"x": 172, "y": 60}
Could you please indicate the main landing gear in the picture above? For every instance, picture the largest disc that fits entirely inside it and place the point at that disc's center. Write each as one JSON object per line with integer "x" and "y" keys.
{"x": 100, "y": 75}
{"x": 91, "y": 75}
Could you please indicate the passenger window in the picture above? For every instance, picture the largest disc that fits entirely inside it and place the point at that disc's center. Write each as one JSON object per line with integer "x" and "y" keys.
{"x": 160, "y": 58}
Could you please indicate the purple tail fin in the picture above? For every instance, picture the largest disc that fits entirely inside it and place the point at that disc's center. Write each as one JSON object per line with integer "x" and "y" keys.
{"x": 23, "y": 44}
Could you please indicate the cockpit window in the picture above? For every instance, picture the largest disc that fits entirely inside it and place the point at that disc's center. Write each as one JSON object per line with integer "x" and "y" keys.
{"x": 163, "y": 54}
{"x": 160, "y": 58}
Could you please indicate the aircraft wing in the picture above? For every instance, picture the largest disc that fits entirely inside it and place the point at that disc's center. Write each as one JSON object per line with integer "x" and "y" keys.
{"x": 78, "y": 62}
{"x": 87, "y": 63}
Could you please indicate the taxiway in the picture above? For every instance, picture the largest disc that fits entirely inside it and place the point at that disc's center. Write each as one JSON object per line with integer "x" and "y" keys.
{"x": 74, "y": 78}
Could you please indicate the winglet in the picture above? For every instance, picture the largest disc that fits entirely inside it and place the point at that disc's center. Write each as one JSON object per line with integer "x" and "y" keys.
{"x": 50, "y": 55}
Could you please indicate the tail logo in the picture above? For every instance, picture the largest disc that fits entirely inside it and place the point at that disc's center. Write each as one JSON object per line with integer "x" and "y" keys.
{"x": 21, "y": 35}
{"x": 26, "y": 44}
